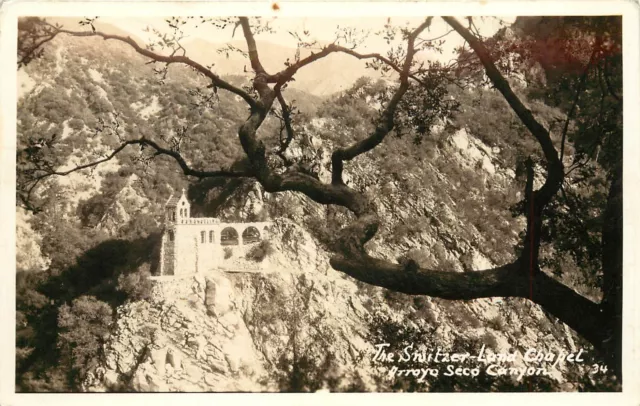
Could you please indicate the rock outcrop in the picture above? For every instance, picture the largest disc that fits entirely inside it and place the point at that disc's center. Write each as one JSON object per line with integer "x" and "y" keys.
{"x": 252, "y": 331}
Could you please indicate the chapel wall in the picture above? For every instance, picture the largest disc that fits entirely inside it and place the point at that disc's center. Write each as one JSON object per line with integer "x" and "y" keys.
{"x": 193, "y": 252}
{"x": 186, "y": 251}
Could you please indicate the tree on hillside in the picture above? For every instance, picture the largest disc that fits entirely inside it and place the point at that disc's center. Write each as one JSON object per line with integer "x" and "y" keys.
{"x": 590, "y": 94}
{"x": 83, "y": 328}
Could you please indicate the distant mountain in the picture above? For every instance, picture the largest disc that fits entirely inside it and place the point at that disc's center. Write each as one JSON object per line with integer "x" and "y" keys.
{"x": 329, "y": 75}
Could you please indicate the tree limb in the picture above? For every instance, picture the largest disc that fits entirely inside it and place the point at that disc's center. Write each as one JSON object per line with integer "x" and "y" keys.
{"x": 386, "y": 122}
{"x": 579, "y": 90}
{"x": 509, "y": 280}
{"x": 286, "y": 119}
{"x": 159, "y": 151}
{"x": 181, "y": 59}
{"x": 554, "y": 165}
{"x": 501, "y": 282}
{"x": 287, "y": 74}
{"x": 254, "y": 58}
{"x": 28, "y": 54}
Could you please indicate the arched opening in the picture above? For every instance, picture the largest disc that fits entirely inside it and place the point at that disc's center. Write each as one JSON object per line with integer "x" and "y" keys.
{"x": 210, "y": 236}
{"x": 229, "y": 236}
{"x": 202, "y": 237}
{"x": 250, "y": 235}
{"x": 267, "y": 231}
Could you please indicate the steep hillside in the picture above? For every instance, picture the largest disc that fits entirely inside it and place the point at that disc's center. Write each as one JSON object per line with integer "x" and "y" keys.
{"x": 444, "y": 202}
{"x": 301, "y": 326}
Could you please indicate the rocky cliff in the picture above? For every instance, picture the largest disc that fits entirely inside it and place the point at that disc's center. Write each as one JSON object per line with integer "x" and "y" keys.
{"x": 241, "y": 331}
{"x": 256, "y": 331}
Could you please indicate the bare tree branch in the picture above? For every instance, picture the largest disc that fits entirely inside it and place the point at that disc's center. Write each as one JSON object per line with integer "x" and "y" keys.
{"x": 170, "y": 59}
{"x": 286, "y": 119}
{"x": 143, "y": 142}
{"x": 254, "y": 58}
{"x": 286, "y": 74}
{"x": 28, "y": 54}
{"x": 554, "y": 165}
{"x": 579, "y": 90}
{"x": 386, "y": 123}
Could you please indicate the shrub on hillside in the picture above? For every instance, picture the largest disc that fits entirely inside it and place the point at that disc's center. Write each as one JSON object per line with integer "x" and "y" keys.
{"x": 260, "y": 251}
{"x": 420, "y": 256}
{"x": 84, "y": 326}
{"x": 463, "y": 317}
{"x": 490, "y": 341}
{"x": 228, "y": 252}
{"x": 136, "y": 285}
{"x": 497, "y": 323}
{"x": 423, "y": 311}
{"x": 321, "y": 230}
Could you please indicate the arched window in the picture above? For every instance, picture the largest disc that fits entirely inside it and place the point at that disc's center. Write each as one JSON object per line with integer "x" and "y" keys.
{"x": 229, "y": 236}
{"x": 202, "y": 236}
{"x": 250, "y": 235}
{"x": 210, "y": 236}
{"x": 267, "y": 231}
{"x": 174, "y": 215}
{"x": 171, "y": 237}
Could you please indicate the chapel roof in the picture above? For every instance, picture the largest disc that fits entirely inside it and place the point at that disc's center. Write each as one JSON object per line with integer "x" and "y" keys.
{"x": 173, "y": 200}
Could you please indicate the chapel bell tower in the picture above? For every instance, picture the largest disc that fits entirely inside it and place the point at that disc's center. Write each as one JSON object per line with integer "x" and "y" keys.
{"x": 177, "y": 208}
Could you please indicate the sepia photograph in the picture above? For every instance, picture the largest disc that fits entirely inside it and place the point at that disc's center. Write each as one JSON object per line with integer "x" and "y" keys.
{"x": 298, "y": 204}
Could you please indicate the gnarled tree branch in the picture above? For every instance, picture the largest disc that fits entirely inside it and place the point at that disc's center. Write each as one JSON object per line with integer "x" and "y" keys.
{"x": 143, "y": 142}
{"x": 287, "y": 124}
{"x": 168, "y": 59}
{"x": 554, "y": 165}
{"x": 254, "y": 58}
{"x": 386, "y": 122}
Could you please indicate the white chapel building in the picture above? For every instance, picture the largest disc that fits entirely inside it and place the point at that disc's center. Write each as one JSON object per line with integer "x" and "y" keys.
{"x": 197, "y": 244}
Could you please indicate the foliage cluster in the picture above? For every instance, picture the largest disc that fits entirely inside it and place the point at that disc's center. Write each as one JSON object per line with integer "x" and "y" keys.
{"x": 64, "y": 313}
{"x": 260, "y": 251}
